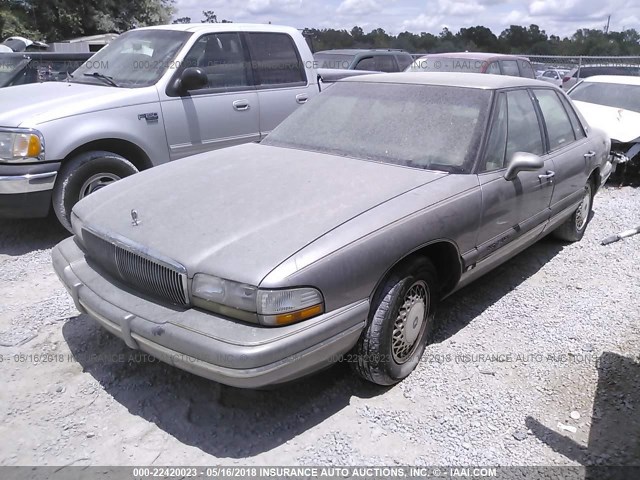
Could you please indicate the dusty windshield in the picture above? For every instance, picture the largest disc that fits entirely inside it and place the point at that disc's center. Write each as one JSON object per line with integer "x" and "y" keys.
{"x": 421, "y": 126}
{"x": 608, "y": 94}
{"x": 135, "y": 59}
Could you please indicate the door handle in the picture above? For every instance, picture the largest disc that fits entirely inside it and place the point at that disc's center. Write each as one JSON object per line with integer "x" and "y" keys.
{"x": 302, "y": 98}
{"x": 590, "y": 154}
{"x": 241, "y": 105}
{"x": 548, "y": 176}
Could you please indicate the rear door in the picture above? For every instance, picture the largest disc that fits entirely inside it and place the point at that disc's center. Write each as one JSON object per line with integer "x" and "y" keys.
{"x": 281, "y": 81}
{"x": 512, "y": 209}
{"x": 568, "y": 146}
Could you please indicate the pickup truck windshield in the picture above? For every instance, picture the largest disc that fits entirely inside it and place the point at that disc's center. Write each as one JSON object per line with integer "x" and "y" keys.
{"x": 9, "y": 66}
{"x": 421, "y": 126}
{"x": 135, "y": 59}
{"x": 615, "y": 95}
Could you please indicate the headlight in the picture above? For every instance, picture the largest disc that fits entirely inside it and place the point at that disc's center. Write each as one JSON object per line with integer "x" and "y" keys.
{"x": 246, "y": 302}
{"x": 21, "y": 145}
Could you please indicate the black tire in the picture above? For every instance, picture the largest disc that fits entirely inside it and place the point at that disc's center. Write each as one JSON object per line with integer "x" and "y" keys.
{"x": 572, "y": 230}
{"x": 376, "y": 353}
{"x": 71, "y": 184}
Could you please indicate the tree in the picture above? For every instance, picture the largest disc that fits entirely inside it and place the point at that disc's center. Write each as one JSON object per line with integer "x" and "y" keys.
{"x": 209, "y": 16}
{"x": 182, "y": 20}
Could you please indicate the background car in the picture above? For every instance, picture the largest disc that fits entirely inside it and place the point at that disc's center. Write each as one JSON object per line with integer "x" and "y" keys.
{"x": 32, "y": 67}
{"x": 553, "y": 76}
{"x": 474, "y": 62}
{"x": 371, "y": 60}
{"x": 586, "y": 71}
{"x": 381, "y": 220}
{"x": 612, "y": 103}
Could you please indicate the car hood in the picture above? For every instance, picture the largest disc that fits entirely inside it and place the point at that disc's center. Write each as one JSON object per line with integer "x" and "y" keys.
{"x": 37, "y": 103}
{"x": 620, "y": 124}
{"x": 239, "y": 212}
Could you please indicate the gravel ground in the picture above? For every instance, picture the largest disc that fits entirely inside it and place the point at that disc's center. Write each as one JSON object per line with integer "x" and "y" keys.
{"x": 535, "y": 364}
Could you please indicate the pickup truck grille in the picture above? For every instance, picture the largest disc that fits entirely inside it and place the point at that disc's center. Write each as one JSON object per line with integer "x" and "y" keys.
{"x": 162, "y": 279}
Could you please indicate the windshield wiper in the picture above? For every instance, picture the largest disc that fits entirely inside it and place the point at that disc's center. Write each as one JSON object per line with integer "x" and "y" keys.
{"x": 102, "y": 77}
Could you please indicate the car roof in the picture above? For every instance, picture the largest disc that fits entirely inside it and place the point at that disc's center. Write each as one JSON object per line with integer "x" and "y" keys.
{"x": 470, "y": 80}
{"x": 222, "y": 27}
{"x": 621, "y": 79}
{"x": 355, "y": 51}
{"x": 476, "y": 55}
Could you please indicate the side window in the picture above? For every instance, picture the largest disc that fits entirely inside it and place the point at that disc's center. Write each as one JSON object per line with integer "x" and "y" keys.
{"x": 275, "y": 59}
{"x": 523, "y": 129}
{"x": 578, "y": 131}
{"x": 494, "y": 68}
{"x": 526, "y": 70}
{"x": 559, "y": 127}
{"x": 386, "y": 63}
{"x": 404, "y": 60}
{"x": 221, "y": 57}
{"x": 510, "y": 67}
{"x": 497, "y": 143}
{"x": 366, "y": 63}
{"x": 548, "y": 74}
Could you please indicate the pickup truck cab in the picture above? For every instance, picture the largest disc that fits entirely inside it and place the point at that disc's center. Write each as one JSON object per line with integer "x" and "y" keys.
{"x": 151, "y": 96}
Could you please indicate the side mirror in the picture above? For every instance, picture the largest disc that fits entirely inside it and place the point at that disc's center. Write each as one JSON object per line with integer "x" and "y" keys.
{"x": 193, "y": 78}
{"x": 523, "y": 162}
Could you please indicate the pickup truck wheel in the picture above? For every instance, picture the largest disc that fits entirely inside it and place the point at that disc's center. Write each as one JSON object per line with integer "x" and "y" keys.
{"x": 84, "y": 175}
{"x": 572, "y": 230}
{"x": 400, "y": 324}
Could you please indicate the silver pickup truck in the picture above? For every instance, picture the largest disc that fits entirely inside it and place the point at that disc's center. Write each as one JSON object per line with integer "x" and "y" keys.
{"x": 153, "y": 95}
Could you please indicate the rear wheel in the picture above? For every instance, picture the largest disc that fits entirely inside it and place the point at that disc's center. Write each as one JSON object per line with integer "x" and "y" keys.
{"x": 400, "y": 324}
{"x": 83, "y": 175}
{"x": 572, "y": 230}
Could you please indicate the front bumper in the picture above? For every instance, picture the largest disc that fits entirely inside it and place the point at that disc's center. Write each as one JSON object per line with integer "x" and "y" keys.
{"x": 214, "y": 347}
{"x": 25, "y": 191}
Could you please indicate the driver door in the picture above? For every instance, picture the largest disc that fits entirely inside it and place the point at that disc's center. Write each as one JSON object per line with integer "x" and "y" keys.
{"x": 224, "y": 113}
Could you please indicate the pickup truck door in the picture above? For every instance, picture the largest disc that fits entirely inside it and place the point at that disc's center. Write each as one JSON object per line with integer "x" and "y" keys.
{"x": 279, "y": 75}
{"x": 569, "y": 147}
{"x": 517, "y": 209}
{"x": 224, "y": 113}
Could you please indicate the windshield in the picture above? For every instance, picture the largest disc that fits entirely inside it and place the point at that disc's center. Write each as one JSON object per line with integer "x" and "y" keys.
{"x": 333, "y": 60}
{"x": 135, "y": 59}
{"x": 421, "y": 126}
{"x": 9, "y": 67}
{"x": 608, "y": 94}
{"x": 446, "y": 64}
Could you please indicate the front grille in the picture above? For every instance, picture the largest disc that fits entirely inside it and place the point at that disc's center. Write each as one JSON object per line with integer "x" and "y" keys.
{"x": 159, "y": 278}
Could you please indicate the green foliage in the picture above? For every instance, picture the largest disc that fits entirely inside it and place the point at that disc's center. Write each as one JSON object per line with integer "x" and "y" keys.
{"x": 515, "y": 39}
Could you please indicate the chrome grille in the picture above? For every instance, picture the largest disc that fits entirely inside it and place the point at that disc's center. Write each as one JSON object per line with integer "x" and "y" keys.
{"x": 158, "y": 278}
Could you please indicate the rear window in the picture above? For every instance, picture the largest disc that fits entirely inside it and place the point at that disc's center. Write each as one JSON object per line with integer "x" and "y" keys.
{"x": 433, "y": 127}
{"x": 608, "y": 94}
{"x": 447, "y": 64}
{"x": 275, "y": 59}
{"x": 586, "y": 72}
{"x": 333, "y": 60}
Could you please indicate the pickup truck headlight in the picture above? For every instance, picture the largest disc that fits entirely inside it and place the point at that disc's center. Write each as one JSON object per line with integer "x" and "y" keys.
{"x": 249, "y": 303}
{"x": 21, "y": 145}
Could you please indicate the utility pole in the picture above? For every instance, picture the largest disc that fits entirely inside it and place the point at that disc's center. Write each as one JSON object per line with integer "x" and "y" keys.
{"x": 606, "y": 29}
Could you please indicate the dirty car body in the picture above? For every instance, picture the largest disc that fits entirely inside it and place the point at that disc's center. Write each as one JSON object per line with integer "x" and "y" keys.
{"x": 261, "y": 263}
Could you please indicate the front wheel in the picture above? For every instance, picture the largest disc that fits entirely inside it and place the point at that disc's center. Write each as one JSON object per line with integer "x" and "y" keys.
{"x": 83, "y": 175}
{"x": 400, "y": 324}
{"x": 572, "y": 230}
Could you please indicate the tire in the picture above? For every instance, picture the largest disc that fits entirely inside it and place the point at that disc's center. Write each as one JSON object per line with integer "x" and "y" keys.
{"x": 382, "y": 357}
{"x": 572, "y": 230}
{"x": 83, "y": 175}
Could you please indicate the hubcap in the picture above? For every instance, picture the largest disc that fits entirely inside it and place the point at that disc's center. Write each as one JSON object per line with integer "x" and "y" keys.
{"x": 582, "y": 214}
{"x": 410, "y": 322}
{"x": 96, "y": 182}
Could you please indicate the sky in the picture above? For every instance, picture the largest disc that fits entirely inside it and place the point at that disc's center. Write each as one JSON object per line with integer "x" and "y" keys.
{"x": 558, "y": 17}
